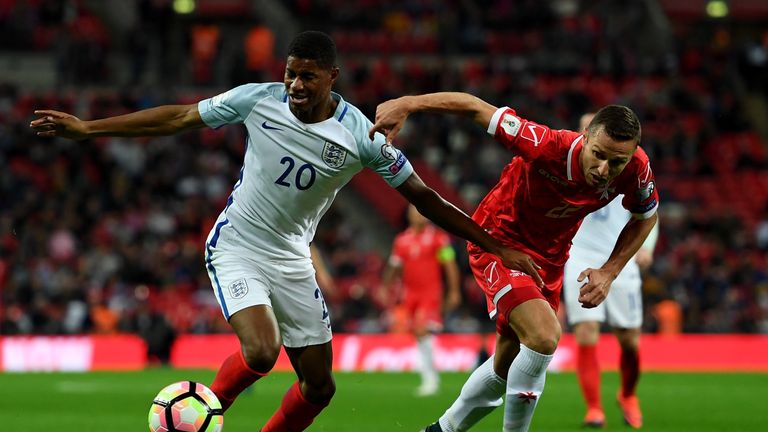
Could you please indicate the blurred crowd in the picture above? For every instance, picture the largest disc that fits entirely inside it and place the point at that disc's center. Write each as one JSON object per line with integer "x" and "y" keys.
{"x": 107, "y": 235}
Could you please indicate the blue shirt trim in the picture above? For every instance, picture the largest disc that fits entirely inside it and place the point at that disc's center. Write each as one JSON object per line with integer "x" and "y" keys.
{"x": 212, "y": 269}
{"x": 344, "y": 112}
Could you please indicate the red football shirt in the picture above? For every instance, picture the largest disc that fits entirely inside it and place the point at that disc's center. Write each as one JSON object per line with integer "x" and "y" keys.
{"x": 419, "y": 255}
{"x": 541, "y": 198}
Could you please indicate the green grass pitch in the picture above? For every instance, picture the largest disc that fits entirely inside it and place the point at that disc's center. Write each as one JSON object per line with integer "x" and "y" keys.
{"x": 119, "y": 402}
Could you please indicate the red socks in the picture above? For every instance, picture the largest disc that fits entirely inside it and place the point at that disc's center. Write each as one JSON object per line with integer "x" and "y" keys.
{"x": 233, "y": 377}
{"x": 588, "y": 371}
{"x": 630, "y": 372}
{"x": 295, "y": 413}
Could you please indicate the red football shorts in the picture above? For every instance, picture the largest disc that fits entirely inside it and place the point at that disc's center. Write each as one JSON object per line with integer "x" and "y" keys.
{"x": 505, "y": 289}
{"x": 424, "y": 312}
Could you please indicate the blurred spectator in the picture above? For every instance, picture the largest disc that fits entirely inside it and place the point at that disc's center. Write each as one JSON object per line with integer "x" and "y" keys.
{"x": 669, "y": 317}
{"x": 152, "y": 326}
{"x": 259, "y": 44}
{"x": 105, "y": 320}
{"x": 761, "y": 231}
{"x": 359, "y": 312}
{"x": 204, "y": 50}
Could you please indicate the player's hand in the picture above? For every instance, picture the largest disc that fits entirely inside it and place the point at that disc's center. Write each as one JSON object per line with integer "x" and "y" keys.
{"x": 383, "y": 296}
{"x": 516, "y": 260}
{"x": 390, "y": 118}
{"x": 326, "y": 284}
{"x": 595, "y": 290}
{"x": 452, "y": 301}
{"x": 55, "y": 123}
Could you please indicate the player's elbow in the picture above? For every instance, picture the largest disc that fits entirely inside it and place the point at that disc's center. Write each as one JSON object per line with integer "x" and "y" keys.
{"x": 419, "y": 194}
{"x": 189, "y": 118}
{"x": 482, "y": 112}
{"x": 178, "y": 118}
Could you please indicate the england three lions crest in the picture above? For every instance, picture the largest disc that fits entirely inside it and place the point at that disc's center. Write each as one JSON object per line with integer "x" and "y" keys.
{"x": 334, "y": 155}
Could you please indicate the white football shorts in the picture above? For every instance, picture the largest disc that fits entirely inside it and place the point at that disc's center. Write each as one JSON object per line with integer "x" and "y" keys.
{"x": 623, "y": 308}
{"x": 242, "y": 279}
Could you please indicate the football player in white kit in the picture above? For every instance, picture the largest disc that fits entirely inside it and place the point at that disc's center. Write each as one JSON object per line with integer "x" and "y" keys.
{"x": 622, "y": 309}
{"x": 304, "y": 143}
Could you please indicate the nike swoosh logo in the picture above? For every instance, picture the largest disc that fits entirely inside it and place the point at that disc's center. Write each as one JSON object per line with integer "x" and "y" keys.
{"x": 266, "y": 126}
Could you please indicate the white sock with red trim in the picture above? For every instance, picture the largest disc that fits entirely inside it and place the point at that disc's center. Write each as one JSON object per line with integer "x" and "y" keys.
{"x": 525, "y": 383}
{"x": 480, "y": 395}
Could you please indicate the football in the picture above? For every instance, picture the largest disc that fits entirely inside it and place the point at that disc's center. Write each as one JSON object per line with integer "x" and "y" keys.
{"x": 186, "y": 406}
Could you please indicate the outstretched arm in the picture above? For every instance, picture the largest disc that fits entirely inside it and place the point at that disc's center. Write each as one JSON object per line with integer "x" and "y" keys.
{"x": 391, "y": 115}
{"x": 631, "y": 238}
{"x": 447, "y": 216}
{"x": 162, "y": 120}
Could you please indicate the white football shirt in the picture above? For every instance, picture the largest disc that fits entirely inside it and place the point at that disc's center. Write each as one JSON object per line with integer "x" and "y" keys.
{"x": 598, "y": 233}
{"x": 292, "y": 170}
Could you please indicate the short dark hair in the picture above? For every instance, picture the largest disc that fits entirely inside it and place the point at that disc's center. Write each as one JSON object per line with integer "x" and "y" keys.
{"x": 314, "y": 45}
{"x": 618, "y": 121}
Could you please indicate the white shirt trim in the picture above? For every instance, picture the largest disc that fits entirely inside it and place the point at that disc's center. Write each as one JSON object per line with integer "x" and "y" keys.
{"x": 495, "y": 118}
{"x": 570, "y": 155}
{"x": 496, "y": 298}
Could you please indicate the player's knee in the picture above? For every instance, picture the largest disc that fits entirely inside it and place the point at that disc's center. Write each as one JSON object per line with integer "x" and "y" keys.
{"x": 543, "y": 340}
{"x": 543, "y": 345}
{"x": 629, "y": 345}
{"x": 586, "y": 333}
{"x": 261, "y": 356}
{"x": 328, "y": 390}
{"x": 320, "y": 392}
{"x": 629, "y": 339}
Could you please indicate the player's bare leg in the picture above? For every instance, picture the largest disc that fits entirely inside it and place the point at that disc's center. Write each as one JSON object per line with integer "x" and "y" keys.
{"x": 629, "y": 340}
{"x": 310, "y": 394}
{"x": 536, "y": 325}
{"x": 587, "y": 334}
{"x": 260, "y": 343}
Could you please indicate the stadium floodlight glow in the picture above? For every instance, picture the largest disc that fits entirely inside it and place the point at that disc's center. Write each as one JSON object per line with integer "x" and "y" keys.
{"x": 183, "y": 6}
{"x": 717, "y": 8}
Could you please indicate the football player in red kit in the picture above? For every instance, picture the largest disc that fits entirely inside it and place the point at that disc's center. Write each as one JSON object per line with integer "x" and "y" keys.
{"x": 556, "y": 178}
{"x": 420, "y": 256}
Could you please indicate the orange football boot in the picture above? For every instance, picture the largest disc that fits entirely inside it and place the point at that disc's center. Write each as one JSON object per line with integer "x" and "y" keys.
{"x": 630, "y": 407}
{"x": 595, "y": 418}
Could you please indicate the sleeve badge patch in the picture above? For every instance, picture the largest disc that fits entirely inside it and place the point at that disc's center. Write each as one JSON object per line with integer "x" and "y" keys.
{"x": 511, "y": 124}
{"x": 644, "y": 192}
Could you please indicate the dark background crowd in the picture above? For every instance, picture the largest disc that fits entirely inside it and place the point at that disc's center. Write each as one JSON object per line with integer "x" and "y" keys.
{"x": 106, "y": 235}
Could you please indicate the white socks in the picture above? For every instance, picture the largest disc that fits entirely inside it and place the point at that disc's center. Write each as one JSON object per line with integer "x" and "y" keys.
{"x": 483, "y": 392}
{"x": 480, "y": 395}
{"x": 429, "y": 375}
{"x": 525, "y": 383}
